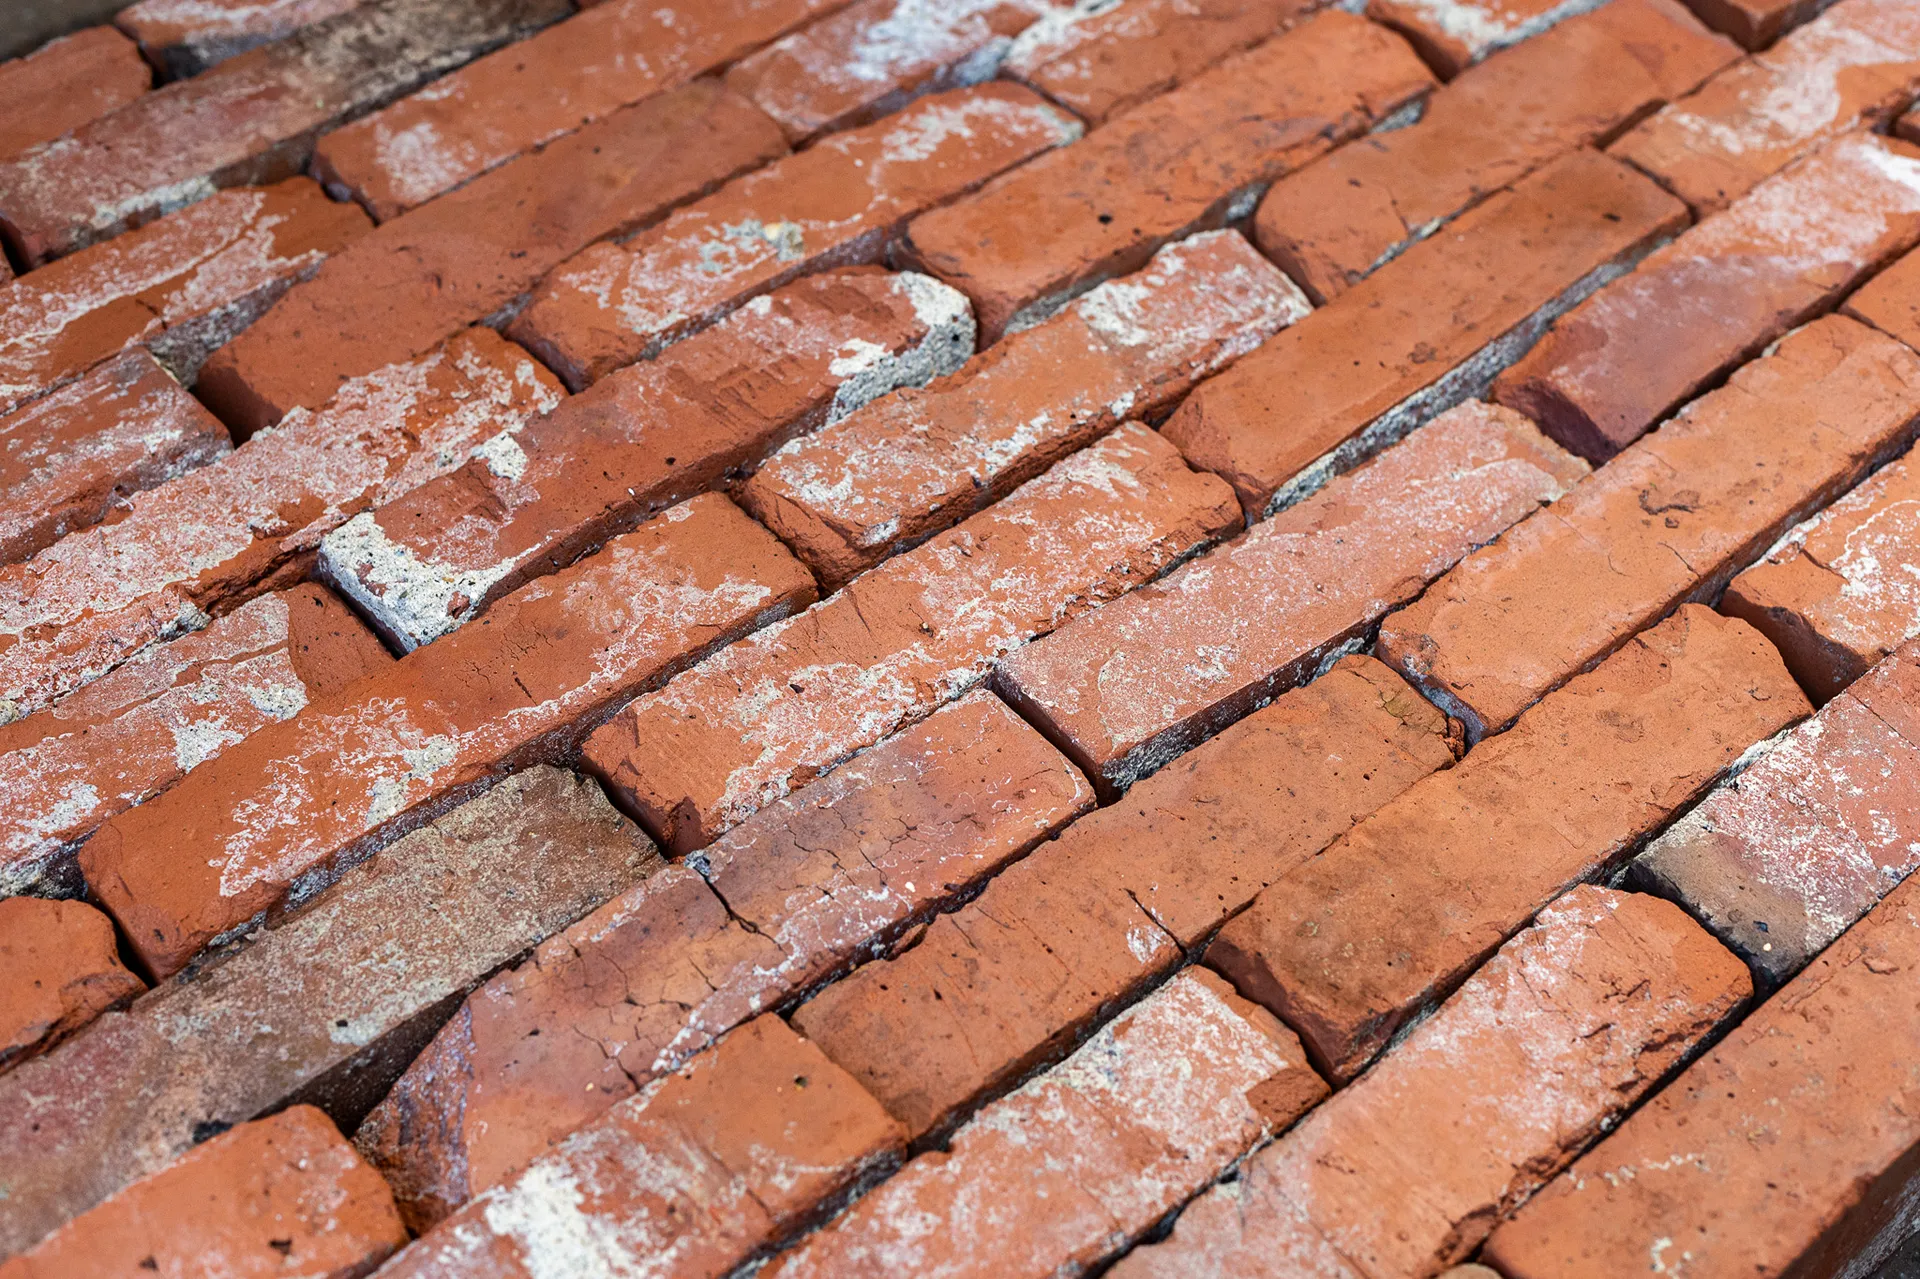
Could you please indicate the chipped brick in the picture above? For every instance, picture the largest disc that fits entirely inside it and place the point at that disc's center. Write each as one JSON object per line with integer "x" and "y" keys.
{"x": 1757, "y": 23}
{"x": 62, "y": 968}
{"x": 67, "y": 83}
{"x": 185, "y": 37}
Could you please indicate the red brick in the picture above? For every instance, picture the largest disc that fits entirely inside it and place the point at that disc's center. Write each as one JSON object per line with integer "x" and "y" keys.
{"x": 282, "y": 1191}
{"x": 1891, "y": 300}
{"x": 1452, "y": 35}
{"x": 1082, "y": 925}
{"x": 1569, "y": 1025}
{"x": 1347, "y": 948}
{"x": 1421, "y": 334}
{"x": 62, "y": 968}
{"x": 1757, "y": 23}
{"x": 641, "y": 439}
{"x": 542, "y": 88}
{"x": 837, "y": 203}
{"x": 741, "y": 1149}
{"x": 1857, "y": 63}
{"x": 216, "y": 536}
{"x": 1156, "y": 1105}
{"x": 888, "y": 478}
{"x": 69, "y": 459}
{"x": 801, "y": 890}
{"x": 1134, "y": 684}
{"x": 1712, "y": 299}
{"x": 772, "y": 713}
{"x": 1333, "y": 223}
{"x": 1671, "y": 519}
{"x": 478, "y": 251}
{"x": 180, "y": 287}
{"x": 185, "y": 37}
{"x": 1192, "y": 159}
{"x": 67, "y": 83}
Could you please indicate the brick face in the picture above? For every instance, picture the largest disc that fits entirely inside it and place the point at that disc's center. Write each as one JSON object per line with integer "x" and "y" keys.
{"x": 66, "y": 84}
{"x": 62, "y": 969}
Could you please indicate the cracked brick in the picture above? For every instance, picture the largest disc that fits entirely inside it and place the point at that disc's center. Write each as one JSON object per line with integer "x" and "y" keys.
{"x": 63, "y": 969}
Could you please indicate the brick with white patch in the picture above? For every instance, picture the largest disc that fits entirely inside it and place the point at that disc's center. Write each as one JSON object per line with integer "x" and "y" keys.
{"x": 185, "y": 37}
{"x": 1454, "y": 34}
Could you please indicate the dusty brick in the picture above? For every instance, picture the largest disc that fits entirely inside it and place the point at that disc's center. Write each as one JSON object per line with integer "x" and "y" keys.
{"x": 1778, "y": 256}
{"x": 67, "y": 83}
{"x": 848, "y": 496}
{"x": 1571, "y": 1023}
{"x": 1333, "y": 223}
{"x": 1452, "y": 35}
{"x": 1153, "y": 1107}
{"x": 214, "y": 537}
{"x": 777, "y": 710}
{"x": 641, "y": 439}
{"x": 62, "y": 968}
{"x": 739, "y": 1150}
{"x": 1857, "y": 63}
{"x": 477, "y": 252}
{"x": 1351, "y": 945}
{"x": 68, "y": 459}
{"x": 326, "y": 1009}
{"x": 287, "y": 1190}
{"x": 185, "y": 37}
{"x": 1671, "y": 519}
{"x": 1192, "y": 159}
{"x": 1423, "y": 333}
{"x": 806, "y": 887}
{"x": 1080, "y": 926}
{"x": 1134, "y": 684}
{"x": 1891, "y": 300}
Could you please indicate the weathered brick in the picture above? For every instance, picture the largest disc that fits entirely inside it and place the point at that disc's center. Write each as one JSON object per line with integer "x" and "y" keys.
{"x": 1333, "y": 223}
{"x": 1156, "y": 1105}
{"x": 739, "y": 1150}
{"x": 327, "y": 1008}
{"x": 66, "y": 83}
{"x": 1351, "y": 945}
{"x": 286, "y": 1190}
{"x": 185, "y": 37}
{"x": 1778, "y": 256}
{"x": 180, "y": 287}
{"x": 1857, "y": 63}
{"x": 1080, "y": 926}
{"x": 1423, "y": 333}
{"x": 1908, "y": 125}
{"x": 241, "y": 525}
{"x": 1891, "y": 300}
{"x": 775, "y": 711}
{"x": 848, "y": 496}
{"x": 1757, "y": 23}
{"x": 1571, "y": 1023}
{"x": 62, "y": 969}
{"x": 1452, "y": 35}
{"x": 68, "y": 459}
{"x": 837, "y": 203}
{"x": 478, "y": 251}
{"x": 1134, "y": 684}
{"x": 804, "y": 888}
{"x": 640, "y": 440}
{"x": 1192, "y": 159}
{"x": 1671, "y": 519}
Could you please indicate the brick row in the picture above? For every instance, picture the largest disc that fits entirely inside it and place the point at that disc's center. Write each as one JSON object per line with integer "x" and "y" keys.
{"x": 64, "y": 84}
{"x": 63, "y": 970}
{"x": 1452, "y": 35}
{"x": 184, "y": 37}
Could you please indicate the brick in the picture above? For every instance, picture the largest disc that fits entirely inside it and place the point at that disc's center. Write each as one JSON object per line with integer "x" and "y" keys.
{"x": 326, "y": 1009}
{"x": 1333, "y": 223}
{"x": 1153, "y": 1107}
{"x": 1757, "y": 23}
{"x": 133, "y": 733}
{"x": 1193, "y": 159}
{"x": 1349, "y": 947}
{"x": 772, "y": 713}
{"x": 69, "y": 459}
{"x": 837, "y": 203}
{"x": 1671, "y": 519}
{"x": 1081, "y": 926}
{"x": 803, "y": 889}
{"x": 278, "y": 1191}
{"x": 63, "y": 970}
{"x": 577, "y": 72}
{"x": 251, "y": 119}
{"x": 216, "y": 536}
{"x": 1796, "y": 1136}
{"x": 1421, "y": 334}
{"x": 888, "y": 478}
{"x": 1132, "y": 685}
{"x": 641, "y": 439}
{"x": 477, "y": 252}
{"x": 1908, "y": 125}
{"x": 1452, "y": 35}
{"x": 181, "y": 286}
{"x": 1570, "y": 1024}
{"x": 1716, "y": 296}
{"x": 1891, "y": 300}
{"x": 185, "y": 37}
{"x": 742, "y": 1148}
{"x": 1858, "y": 63}
{"x": 67, "y": 83}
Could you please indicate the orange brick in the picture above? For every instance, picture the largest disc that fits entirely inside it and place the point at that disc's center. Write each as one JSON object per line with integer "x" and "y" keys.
{"x": 1891, "y": 301}
{"x": 63, "y": 969}
{"x": 1757, "y": 23}
{"x": 1452, "y": 35}
{"x": 67, "y": 83}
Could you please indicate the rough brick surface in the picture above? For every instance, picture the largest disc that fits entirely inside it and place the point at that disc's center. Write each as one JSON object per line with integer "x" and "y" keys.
{"x": 1572, "y": 1022}
{"x": 1891, "y": 300}
{"x": 888, "y": 478}
{"x": 185, "y": 37}
{"x": 836, "y": 203}
{"x": 1190, "y": 160}
{"x": 66, "y": 83}
{"x": 1757, "y": 23}
{"x": 1452, "y": 35}
{"x": 63, "y": 969}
